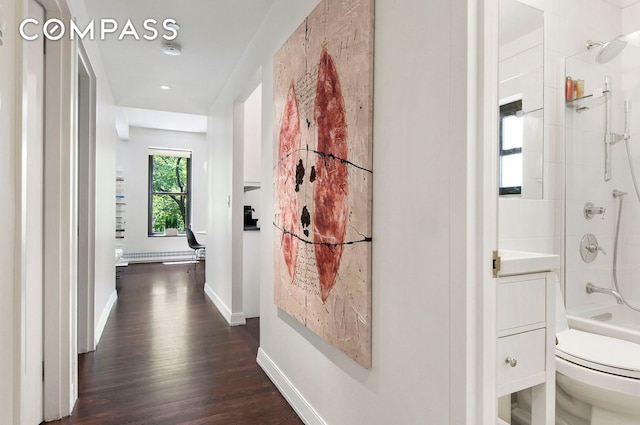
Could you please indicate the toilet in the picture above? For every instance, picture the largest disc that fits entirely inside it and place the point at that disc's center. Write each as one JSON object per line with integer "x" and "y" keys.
{"x": 597, "y": 377}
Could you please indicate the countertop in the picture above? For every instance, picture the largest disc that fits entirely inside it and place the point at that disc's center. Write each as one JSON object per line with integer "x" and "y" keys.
{"x": 522, "y": 262}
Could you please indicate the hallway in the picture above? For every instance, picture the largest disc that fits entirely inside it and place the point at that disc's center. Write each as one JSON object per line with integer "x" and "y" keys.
{"x": 168, "y": 357}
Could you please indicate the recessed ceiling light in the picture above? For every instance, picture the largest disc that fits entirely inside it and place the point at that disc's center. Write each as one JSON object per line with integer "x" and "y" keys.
{"x": 171, "y": 49}
{"x": 165, "y": 87}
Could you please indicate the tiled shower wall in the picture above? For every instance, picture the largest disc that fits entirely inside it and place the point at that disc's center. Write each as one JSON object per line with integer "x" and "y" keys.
{"x": 585, "y": 167}
{"x": 538, "y": 225}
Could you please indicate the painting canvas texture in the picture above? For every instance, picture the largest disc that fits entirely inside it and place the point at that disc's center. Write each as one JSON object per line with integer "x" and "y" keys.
{"x": 323, "y": 112}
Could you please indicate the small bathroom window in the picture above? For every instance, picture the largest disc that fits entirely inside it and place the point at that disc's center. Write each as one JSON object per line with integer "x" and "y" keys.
{"x": 510, "y": 150}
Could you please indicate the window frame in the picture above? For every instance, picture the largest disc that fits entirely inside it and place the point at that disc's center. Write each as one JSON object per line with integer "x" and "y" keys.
{"x": 506, "y": 110}
{"x": 155, "y": 152}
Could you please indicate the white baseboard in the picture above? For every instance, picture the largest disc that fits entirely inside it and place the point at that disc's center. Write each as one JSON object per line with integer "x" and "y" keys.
{"x": 105, "y": 316}
{"x": 233, "y": 319}
{"x": 302, "y": 407}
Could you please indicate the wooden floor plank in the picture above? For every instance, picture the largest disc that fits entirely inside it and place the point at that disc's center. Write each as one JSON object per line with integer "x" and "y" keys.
{"x": 168, "y": 357}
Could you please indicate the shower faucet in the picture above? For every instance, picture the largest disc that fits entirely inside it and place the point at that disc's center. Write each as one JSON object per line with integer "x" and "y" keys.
{"x": 591, "y": 288}
{"x": 590, "y": 210}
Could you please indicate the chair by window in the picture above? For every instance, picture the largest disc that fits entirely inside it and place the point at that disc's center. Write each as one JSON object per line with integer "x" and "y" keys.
{"x": 199, "y": 251}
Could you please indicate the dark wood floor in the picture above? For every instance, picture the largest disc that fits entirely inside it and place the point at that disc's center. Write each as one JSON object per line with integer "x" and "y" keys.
{"x": 168, "y": 357}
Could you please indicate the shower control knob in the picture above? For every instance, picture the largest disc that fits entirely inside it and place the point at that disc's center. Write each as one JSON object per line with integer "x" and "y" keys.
{"x": 589, "y": 248}
{"x": 511, "y": 361}
{"x": 590, "y": 210}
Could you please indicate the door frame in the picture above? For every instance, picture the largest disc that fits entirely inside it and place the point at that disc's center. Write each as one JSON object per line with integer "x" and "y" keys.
{"x": 60, "y": 223}
{"x": 29, "y": 328}
{"x": 86, "y": 118}
{"x": 487, "y": 158}
{"x": 473, "y": 305}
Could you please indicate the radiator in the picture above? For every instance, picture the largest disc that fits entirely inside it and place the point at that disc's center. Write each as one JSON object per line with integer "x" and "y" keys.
{"x": 157, "y": 256}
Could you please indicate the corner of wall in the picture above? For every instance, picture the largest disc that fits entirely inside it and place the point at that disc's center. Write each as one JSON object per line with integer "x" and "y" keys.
{"x": 233, "y": 319}
{"x": 104, "y": 316}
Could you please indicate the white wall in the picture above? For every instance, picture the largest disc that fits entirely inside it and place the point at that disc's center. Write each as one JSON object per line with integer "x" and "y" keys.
{"x": 8, "y": 145}
{"x": 106, "y": 139}
{"x": 133, "y": 160}
{"x": 419, "y": 157}
{"x": 252, "y": 128}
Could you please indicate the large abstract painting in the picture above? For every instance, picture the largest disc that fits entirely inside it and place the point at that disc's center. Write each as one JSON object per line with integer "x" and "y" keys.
{"x": 323, "y": 107}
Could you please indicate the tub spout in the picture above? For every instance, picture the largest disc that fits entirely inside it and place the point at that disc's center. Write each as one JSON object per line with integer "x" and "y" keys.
{"x": 591, "y": 288}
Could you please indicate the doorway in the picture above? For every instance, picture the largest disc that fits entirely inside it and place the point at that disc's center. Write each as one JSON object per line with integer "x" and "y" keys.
{"x": 251, "y": 243}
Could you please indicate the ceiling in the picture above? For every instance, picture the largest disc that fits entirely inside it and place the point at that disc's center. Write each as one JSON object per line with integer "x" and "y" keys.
{"x": 213, "y": 35}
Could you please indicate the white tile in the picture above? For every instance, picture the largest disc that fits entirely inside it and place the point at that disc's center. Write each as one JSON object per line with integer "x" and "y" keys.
{"x": 552, "y": 181}
{"x": 587, "y": 149}
{"x": 554, "y": 31}
{"x": 529, "y": 46}
{"x": 522, "y": 63}
{"x": 553, "y": 143}
{"x": 555, "y": 7}
{"x": 507, "y": 215}
{"x": 546, "y": 219}
{"x": 631, "y": 18}
{"x": 554, "y": 69}
{"x": 554, "y": 108}
{"x": 529, "y": 85}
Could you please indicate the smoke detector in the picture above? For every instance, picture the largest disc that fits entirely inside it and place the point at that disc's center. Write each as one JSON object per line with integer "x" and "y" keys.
{"x": 171, "y": 49}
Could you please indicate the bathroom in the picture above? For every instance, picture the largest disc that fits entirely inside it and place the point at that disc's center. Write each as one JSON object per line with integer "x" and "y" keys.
{"x": 575, "y": 196}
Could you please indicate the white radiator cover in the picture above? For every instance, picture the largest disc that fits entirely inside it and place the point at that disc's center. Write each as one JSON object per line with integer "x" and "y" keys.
{"x": 157, "y": 256}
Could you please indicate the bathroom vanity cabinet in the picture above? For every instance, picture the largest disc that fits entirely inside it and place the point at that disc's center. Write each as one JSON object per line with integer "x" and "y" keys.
{"x": 526, "y": 330}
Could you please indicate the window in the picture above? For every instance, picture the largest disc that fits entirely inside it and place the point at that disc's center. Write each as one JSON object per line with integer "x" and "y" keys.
{"x": 511, "y": 136}
{"x": 169, "y": 190}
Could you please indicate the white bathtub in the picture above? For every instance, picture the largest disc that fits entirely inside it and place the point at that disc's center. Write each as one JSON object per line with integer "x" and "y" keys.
{"x": 615, "y": 320}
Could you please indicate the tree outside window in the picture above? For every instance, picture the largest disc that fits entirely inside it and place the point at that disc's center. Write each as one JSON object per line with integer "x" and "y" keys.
{"x": 169, "y": 190}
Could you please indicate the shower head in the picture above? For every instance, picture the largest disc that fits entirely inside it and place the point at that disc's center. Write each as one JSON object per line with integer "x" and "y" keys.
{"x": 618, "y": 193}
{"x": 609, "y": 50}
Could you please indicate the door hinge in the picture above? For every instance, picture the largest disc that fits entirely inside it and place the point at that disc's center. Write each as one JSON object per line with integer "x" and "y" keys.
{"x": 43, "y": 371}
{"x": 496, "y": 264}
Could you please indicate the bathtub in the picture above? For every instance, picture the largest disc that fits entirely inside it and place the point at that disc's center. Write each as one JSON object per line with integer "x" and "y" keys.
{"x": 615, "y": 320}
